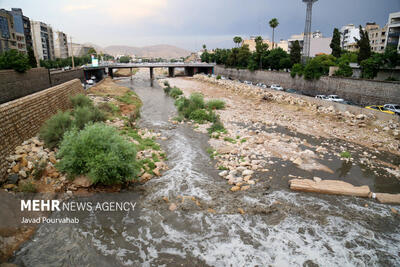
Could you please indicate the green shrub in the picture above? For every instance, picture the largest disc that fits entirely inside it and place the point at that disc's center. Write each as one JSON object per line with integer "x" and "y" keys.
{"x": 27, "y": 187}
{"x": 216, "y": 127}
{"x": 345, "y": 154}
{"x": 167, "y": 90}
{"x": 166, "y": 83}
{"x": 297, "y": 69}
{"x": 230, "y": 140}
{"x": 175, "y": 92}
{"x": 81, "y": 100}
{"x": 215, "y": 104}
{"x": 199, "y": 115}
{"x": 54, "y": 128}
{"x": 197, "y": 100}
{"x": 84, "y": 115}
{"x": 109, "y": 108}
{"x": 100, "y": 152}
{"x": 218, "y": 77}
{"x": 15, "y": 60}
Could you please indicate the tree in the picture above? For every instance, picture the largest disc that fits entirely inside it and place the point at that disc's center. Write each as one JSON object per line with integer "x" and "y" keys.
{"x": 261, "y": 51}
{"x": 91, "y": 51}
{"x": 15, "y": 60}
{"x": 275, "y": 57}
{"x": 243, "y": 56}
{"x": 335, "y": 43}
{"x": 124, "y": 59}
{"x": 237, "y": 40}
{"x": 204, "y": 47}
{"x": 370, "y": 66}
{"x": 32, "y": 58}
{"x": 273, "y": 23}
{"x": 318, "y": 66}
{"x": 295, "y": 53}
{"x": 364, "y": 45}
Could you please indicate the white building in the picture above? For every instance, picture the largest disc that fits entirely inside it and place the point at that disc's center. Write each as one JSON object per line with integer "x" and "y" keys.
{"x": 60, "y": 45}
{"x": 318, "y": 43}
{"x": 393, "y": 31}
{"x": 348, "y": 34}
{"x": 43, "y": 42}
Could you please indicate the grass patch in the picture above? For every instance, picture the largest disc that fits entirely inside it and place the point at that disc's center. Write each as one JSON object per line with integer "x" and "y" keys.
{"x": 230, "y": 140}
{"x": 222, "y": 168}
{"x": 144, "y": 143}
{"x": 243, "y": 140}
{"x": 216, "y": 127}
{"x": 175, "y": 92}
{"x": 215, "y": 104}
{"x": 27, "y": 187}
{"x": 345, "y": 154}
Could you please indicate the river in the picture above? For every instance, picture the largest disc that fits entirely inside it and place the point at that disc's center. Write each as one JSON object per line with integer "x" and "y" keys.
{"x": 279, "y": 227}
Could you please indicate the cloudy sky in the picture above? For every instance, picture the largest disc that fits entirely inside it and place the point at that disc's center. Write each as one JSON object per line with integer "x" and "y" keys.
{"x": 189, "y": 24}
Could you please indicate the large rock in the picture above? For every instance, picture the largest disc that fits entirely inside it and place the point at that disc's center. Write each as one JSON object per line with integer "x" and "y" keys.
{"x": 82, "y": 181}
{"x": 225, "y": 150}
{"x": 333, "y": 187}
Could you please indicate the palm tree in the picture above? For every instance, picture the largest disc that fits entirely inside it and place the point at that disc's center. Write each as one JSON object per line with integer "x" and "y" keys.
{"x": 273, "y": 23}
{"x": 237, "y": 40}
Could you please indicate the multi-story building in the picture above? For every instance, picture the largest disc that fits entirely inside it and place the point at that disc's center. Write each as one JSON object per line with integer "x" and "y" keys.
{"x": 8, "y": 38}
{"x": 26, "y": 24}
{"x": 78, "y": 50}
{"x": 43, "y": 42}
{"x": 377, "y": 37}
{"x": 318, "y": 43}
{"x": 251, "y": 42}
{"x": 60, "y": 45}
{"x": 393, "y": 31}
{"x": 348, "y": 36}
{"x": 16, "y": 13}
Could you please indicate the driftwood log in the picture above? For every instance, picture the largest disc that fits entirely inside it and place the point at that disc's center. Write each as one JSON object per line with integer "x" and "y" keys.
{"x": 333, "y": 187}
{"x": 388, "y": 198}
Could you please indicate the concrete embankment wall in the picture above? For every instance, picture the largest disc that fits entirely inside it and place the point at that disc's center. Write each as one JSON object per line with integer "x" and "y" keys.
{"x": 362, "y": 92}
{"x": 22, "y": 118}
{"x": 14, "y": 85}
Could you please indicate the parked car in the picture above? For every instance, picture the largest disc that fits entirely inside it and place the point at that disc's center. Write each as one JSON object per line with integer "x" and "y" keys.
{"x": 380, "y": 108}
{"x": 247, "y": 82}
{"x": 335, "y": 98}
{"x": 90, "y": 82}
{"x": 393, "y": 107}
{"x": 93, "y": 78}
{"x": 293, "y": 91}
{"x": 276, "y": 87}
{"x": 322, "y": 97}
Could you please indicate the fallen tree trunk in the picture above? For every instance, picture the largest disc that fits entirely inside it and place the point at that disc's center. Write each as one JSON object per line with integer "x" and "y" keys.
{"x": 388, "y": 198}
{"x": 333, "y": 187}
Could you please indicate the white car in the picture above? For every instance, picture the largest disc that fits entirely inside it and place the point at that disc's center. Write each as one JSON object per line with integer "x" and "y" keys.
{"x": 393, "y": 107}
{"x": 335, "y": 98}
{"x": 276, "y": 87}
{"x": 90, "y": 82}
{"x": 322, "y": 97}
{"x": 247, "y": 82}
{"x": 93, "y": 78}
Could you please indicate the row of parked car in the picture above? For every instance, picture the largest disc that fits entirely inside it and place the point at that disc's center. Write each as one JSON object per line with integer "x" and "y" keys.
{"x": 387, "y": 108}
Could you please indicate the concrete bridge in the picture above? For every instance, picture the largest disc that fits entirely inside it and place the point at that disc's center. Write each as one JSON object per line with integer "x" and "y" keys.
{"x": 190, "y": 68}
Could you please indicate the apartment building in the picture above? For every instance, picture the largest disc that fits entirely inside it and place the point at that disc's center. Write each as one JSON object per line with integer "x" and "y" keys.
{"x": 318, "y": 43}
{"x": 252, "y": 44}
{"x": 16, "y": 13}
{"x": 43, "y": 41}
{"x": 377, "y": 37}
{"x": 60, "y": 45}
{"x": 393, "y": 31}
{"x": 8, "y": 38}
{"x": 348, "y": 34}
{"x": 78, "y": 50}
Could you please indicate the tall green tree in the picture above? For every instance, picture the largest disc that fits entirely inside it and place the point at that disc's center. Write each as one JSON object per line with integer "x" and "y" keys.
{"x": 364, "y": 45}
{"x": 335, "y": 43}
{"x": 261, "y": 51}
{"x": 273, "y": 23}
{"x": 295, "y": 53}
{"x": 32, "y": 58}
{"x": 237, "y": 40}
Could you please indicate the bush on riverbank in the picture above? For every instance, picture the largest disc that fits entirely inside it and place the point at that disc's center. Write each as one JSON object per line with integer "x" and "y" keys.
{"x": 80, "y": 100}
{"x": 215, "y": 104}
{"x": 54, "y": 128}
{"x": 84, "y": 115}
{"x": 100, "y": 152}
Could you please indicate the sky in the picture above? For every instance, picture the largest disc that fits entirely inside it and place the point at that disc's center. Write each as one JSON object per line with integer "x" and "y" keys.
{"x": 190, "y": 24}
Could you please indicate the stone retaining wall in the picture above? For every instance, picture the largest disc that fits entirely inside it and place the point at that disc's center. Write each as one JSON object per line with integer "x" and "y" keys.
{"x": 22, "y": 118}
{"x": 361, "y": 92}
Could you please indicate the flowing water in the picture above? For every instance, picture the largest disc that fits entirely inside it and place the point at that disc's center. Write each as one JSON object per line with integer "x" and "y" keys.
{"x": 279, "y": 228}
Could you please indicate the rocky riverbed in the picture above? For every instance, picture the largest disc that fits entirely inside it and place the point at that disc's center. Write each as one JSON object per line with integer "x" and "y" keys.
{"x": 265, "y": 127}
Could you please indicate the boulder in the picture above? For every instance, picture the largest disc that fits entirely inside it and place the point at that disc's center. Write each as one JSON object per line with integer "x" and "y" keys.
{"x": 235, "y": 188}
{"x": 82, "y": 181}
{"x": 12, "y": 178}
{"x": 247, "y": 172}
{"x": 223, "y": 173}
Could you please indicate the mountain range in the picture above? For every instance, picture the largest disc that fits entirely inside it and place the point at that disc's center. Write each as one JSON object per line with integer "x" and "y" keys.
{"x": 153, "y": 51}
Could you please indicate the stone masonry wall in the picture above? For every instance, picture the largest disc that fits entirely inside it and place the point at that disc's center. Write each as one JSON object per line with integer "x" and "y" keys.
{"x": 14, "y": 85}
{"x": 362, "y": 92}
{"x": 59, "y": 77}
{"x": 22, "y": 118}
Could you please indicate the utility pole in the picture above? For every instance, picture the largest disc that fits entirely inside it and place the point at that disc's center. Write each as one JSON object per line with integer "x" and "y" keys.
{"x": 72, "y": 53}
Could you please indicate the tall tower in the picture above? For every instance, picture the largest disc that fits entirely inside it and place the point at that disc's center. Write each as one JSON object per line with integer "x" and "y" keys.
{"x": 307, "y": 29}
